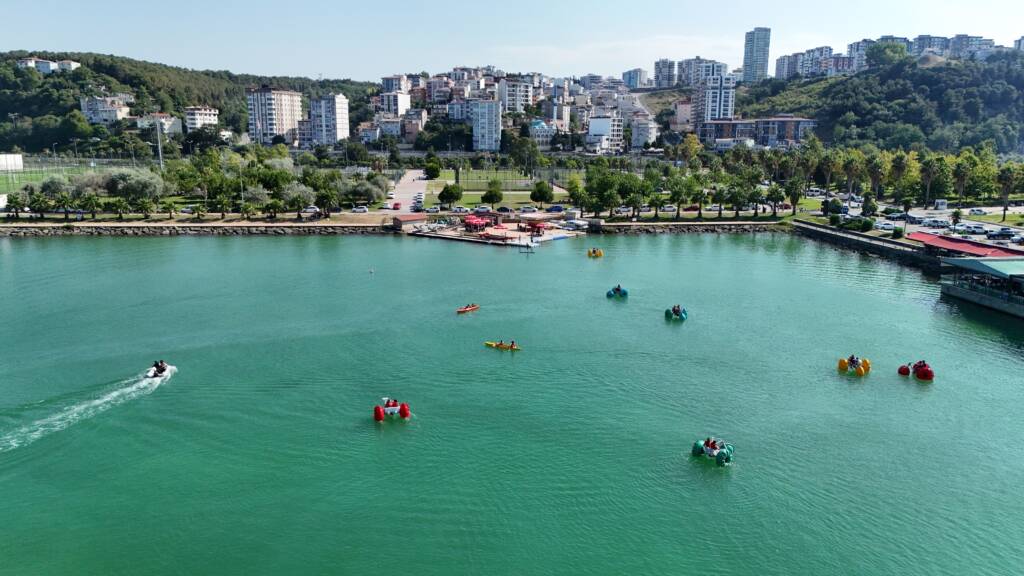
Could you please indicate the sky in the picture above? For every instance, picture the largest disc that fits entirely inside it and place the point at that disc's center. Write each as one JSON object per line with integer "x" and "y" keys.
{"x": 368, "y": 39}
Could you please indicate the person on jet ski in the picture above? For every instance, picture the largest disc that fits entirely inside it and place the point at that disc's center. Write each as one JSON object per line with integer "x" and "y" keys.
{"x": 617, "y": 289}
{"x": 677, "y": 310}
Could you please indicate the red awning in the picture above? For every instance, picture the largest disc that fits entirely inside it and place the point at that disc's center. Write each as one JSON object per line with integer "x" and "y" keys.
{"x": 963, "y": 245}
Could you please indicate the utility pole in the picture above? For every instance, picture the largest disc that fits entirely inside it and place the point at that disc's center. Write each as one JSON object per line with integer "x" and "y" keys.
{"x": 159, "y": 144}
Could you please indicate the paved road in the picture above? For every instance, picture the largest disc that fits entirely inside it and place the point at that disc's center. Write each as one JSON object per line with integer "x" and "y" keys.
{"x": 412, "y": 182}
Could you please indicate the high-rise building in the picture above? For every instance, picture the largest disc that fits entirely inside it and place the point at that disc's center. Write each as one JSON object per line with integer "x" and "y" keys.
{"x": 814, "y": 62}
{"x": 787, "y": 66}
{"x": 396, "y": 83}
{"x": 486, "y": 116}
{"x": 693, "y": 71}
{"x": 395, "y": 103}
{"x": 755, "y": 55}
{"x": 929, "y": 45}
{"x": 963, "y": 46}
{"x": 515, "y": 95}
{"x": 715, "y": 99}
{"x": 897, "y": 40}
{"x": 665, "y": 73}
{"x": 858, "y": 51}
{"x": 273, "y": 113}
{"x": 605, "y": 131}
{"x": 328, "y": 118}
{"x": 198, "y": 116}
{"x": 1019, "y": 44}
{"x": 635, "y": 78}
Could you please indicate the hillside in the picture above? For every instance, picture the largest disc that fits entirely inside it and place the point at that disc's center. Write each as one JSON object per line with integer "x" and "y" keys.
{"x": 942, "y": 105}
{"x": 44, "y": 104}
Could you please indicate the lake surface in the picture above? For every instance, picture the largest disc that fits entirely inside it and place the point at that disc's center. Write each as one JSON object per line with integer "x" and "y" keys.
{"x": 260, "y": 455}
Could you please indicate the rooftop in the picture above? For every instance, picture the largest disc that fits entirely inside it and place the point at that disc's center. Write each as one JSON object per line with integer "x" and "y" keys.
{"x": 1000, "y": 267}
{"x": 964, "y": 246}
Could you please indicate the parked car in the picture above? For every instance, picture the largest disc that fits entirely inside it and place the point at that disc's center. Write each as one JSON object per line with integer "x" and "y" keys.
{"x": 417, "y": 208}
{"x": 884, "y": 225}
{"x": 911, "y": 219}
{"x": 1018, "y": 239}
{"x": 977, "y": 212}
{"x": 186, "y": 210}
{"x": 310, "y": 210}
{"x": 1003, "y": 233}
{"x": 623, "y": 210}
{"x": 396, "y": 206}
{"x": 460, "y": 210}
{"x": 961, "y": 228}
{"x": 896, "y": 216}
{"x": 504, "y": 210}
{"x": 391, "y": 195}
{"x": 482, "y": 209}
{"x": 669, "y": 209}
{"x": 433, "y": 210}
{"x": 360, "y": 210}
{"x": 527, "y": 209}
{"x": 975, "y": 229}
{"x": 935, "y": 223}
{"x": 555, "y": 208}
{"x": 645, "y": 208}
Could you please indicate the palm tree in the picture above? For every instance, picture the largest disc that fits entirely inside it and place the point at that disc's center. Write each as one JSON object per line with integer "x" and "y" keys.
{"x": 898, "y": 168}
{"x": 931, "y": 166}
{"x": 962, "y": 171}
{"x": 272, "y": 207}
{"x": 635, "y": 201}
{"x": 830, "y": 164}
{"x": 677, "y": 192}
{"x": 145, "y": 206}
{"x": 63, "y": 203}
{"x": 221, "y": 203}
{"x": 877, "y": 167}
{"x": 249, "y": 210}
{"x": 719, "y": 196}
{"x": 794, "y": 192}
{"x": 198, "y": 211}
{"x": 735, "y": 195}
{"x": 39, "y": 204}
{"x": 90, "y": 203}
{"x": 168, "y": 205}
{"x": 853, "y": 166}
{"x": 775, "y": 196}
{"x": 695, "y": 192}
{"x": 120, "y": 207}
{"x": 1007, "y": 179}
{"x": 657, "y": 201}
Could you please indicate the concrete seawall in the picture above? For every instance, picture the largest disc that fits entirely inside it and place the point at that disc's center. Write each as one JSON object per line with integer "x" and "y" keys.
{"x": 106, "y": 229}
{"x": 738, "y": 227}
{"x": 902, "y": 252}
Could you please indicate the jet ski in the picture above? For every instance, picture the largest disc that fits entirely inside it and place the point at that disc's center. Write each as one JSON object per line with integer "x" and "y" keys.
{"x": 158, "y": 370}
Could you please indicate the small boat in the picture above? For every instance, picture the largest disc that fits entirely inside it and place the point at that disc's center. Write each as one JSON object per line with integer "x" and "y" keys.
{"x": 860, "y": 369}
{"x": 391, "y": 408}
{"x": 595, "y": 253}
{"x": 920, "y": 369}
{"x": 718, "y": 450}
{"x": 159, "y": 370}
{"x": 502, "y": 346}
{"x": 673, "y": 317}
{"x": 470, "y": 308}
{"x": 620, "y": 293}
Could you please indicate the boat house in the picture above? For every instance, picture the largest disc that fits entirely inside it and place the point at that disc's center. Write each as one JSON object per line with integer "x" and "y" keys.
{"x": 996, "y": 283}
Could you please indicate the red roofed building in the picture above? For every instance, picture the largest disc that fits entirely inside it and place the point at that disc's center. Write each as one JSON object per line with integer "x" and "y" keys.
{"x": 950, "y": 245}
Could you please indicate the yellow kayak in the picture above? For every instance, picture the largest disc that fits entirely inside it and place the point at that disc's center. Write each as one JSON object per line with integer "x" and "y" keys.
{"x": 501, "y": 346}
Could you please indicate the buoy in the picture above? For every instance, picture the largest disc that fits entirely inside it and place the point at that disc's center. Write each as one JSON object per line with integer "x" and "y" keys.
{"x": 844, "y": 365}
{"x": 860, "y": 371}
{"x": 925, "y": 374}
{"x": 904, "y": 370}
{"x": 698, "y": 448}
{"x": 403, "y": 410}
{"x": 378, "y": 413}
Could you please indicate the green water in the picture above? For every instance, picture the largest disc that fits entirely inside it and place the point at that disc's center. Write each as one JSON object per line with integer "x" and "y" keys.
{"x": 260, "y": 456}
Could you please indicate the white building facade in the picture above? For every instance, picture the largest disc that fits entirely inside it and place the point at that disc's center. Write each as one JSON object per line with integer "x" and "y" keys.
{"x": 395, "y": 103}
{"x": 665, "y": 73}
{"x": 328, "y": 118}
{"x": 198, "y": 116}
{"x": 105, "y": 110}
{"x": 273, "y": 113}
{"x": 486, "y": 119}
{"x": 515, "y": 96}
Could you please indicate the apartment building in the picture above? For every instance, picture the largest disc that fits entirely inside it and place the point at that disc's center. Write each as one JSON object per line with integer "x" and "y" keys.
{"x": 44, "y": 66}
{"x": 682, "y": 119}
{"x": 694, "y": 71}
{"x": 395, "y": 103}
{"x": 198, "y": 116}
{"x": 328, "y": 116}
{"x": 169, "y": 125}
{"x": 665, "y": 73}
{"x": 924, "y": 44}
{"x": 486, "y": 119}
{"x": 787, "y": 66}
{"x": 514, "y": 95}
{"x": 715, "y": 99}
{"x": 755, "y": 54}
{"x": 1019, "y": 44}
{"x": 635, "y": 78}
{"x": 605, "y": 131}
{"x": 396, "y": 83}
{"x": 784, "y": 131}
{"x": 591, "y": 81}
{"x": 272, "y": 113}
{"x": 858, "y": 51}
{"x": 965, "y": 46}
{"x": 645, "y": 132}
{"x": 542, "y": 132}
{"x": 106, "y": 110}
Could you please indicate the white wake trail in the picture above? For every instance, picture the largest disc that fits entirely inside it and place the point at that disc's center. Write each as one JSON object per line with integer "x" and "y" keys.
{"x": 126, "y": 390}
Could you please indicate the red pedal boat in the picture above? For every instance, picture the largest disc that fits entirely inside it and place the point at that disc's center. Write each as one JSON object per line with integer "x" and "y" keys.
{"x": 470, "y": 308}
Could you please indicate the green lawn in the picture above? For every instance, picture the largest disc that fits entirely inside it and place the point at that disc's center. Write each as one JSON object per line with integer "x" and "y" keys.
{"x": 996, "y": 217}
{"x": 510, "y": 199}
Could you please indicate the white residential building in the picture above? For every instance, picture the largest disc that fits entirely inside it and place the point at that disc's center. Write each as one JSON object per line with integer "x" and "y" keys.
{"x": 169, "y": 125}
{"x": 693, "y": 71}
{"x": 273, "y": 113}
{"x": 44, "y": 66}
{"x": 682, "y": 120}
{"x": 514, "y": 95}
{"x": 390, "y": 126}
{"x": 924, "y": 44}
{"x": 858, "y": 51}
{"x": 715, "y": 100}
{"x": 198, "y": 116}
{"x": 486, "y": 116}
{"x": 395, "y": 103}
{"x": 397, "y": 83}
{"x": 105, "y": 109}
{"x": 755, "y": 55}
{"x": 542, "y": 132}
{"x": 814, "y": 62}
{"x": 328, "y": 116}
{"x": 1019, "y": 44}
{"x": 665, "y": 73}
{"x": 604, "y": 133}
{"x": 644, "y": 132}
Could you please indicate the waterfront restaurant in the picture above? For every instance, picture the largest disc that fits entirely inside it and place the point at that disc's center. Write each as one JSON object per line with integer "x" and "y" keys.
{"x": 996, "y": 283}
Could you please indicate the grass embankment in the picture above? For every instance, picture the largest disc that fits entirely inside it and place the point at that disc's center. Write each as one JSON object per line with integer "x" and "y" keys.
{"x": 662, "y": 99}
{"x": 1012, "y": 218}
{"x": 372, "y": 218}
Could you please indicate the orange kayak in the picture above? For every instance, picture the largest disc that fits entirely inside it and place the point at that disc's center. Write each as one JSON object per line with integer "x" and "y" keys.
{"x": 464, "y": 309}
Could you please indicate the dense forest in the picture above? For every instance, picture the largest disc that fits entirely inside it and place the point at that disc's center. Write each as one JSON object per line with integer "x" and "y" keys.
{"x": 900, "y": 103}
{"x": 37, "y": 111}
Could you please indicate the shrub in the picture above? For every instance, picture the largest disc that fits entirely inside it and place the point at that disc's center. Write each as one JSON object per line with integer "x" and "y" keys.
{"x": 833, "y": 220}
{"x": 897, "y": 233}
